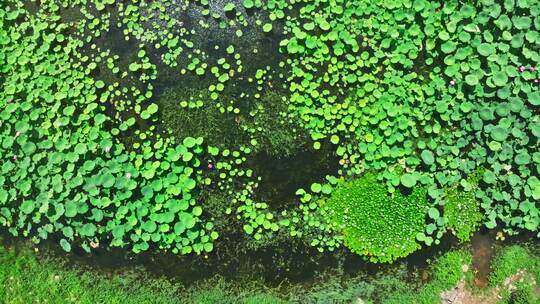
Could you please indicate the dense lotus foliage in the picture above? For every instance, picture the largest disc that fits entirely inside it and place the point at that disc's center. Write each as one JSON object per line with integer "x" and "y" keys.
{"x": 426, "y": 103}
{"x": 62, "y": 172}
{"x": 136, "y": 123}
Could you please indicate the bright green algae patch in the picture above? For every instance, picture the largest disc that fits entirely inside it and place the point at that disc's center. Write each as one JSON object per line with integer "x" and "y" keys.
{"x": 380, "y": 226}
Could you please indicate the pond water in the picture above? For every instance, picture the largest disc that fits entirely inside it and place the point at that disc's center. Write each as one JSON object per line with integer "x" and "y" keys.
{"x": 290, "y": 263}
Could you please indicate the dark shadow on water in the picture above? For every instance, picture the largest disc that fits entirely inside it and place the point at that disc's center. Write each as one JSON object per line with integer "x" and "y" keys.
{"x": 282, "y": 177}
{"x": 289, "y": 262}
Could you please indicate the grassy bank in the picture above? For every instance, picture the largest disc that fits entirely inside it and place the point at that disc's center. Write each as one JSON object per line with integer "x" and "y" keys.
{"x": 27, "y": 278}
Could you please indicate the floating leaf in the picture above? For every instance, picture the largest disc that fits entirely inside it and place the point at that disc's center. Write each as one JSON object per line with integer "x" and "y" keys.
{"x": 65, "y": 245}
{"x": 433, "y": 213}
{"x": 500, "y": 79}
{"x": 316, "y": 187}
{"x": 499, "y": 134}
{"x": 408, "y": 180}
{"x": 427, "y": 157}
{"x": 267, "y": 27}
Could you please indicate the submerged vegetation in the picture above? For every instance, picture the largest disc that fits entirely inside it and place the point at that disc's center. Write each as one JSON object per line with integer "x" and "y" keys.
{"x": 178, "y": 126}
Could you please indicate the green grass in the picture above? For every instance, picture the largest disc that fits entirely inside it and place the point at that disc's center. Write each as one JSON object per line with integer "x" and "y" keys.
{"x": 26, "y": 278}
{"x": 446, "y": 273}
{"x": 510, "y": 260}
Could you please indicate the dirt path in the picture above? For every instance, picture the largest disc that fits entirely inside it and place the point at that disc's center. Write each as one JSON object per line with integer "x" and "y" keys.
{"x": 462, "y": 294}
{"x": 482, "y": 253}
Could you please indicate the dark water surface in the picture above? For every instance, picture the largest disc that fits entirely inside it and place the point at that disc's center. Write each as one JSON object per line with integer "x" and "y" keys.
{"x": 291, "y": 262}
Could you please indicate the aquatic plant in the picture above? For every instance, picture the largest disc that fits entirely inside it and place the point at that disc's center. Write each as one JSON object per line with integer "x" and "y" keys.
{"x": 277, "y": 134}
{"x": 423, "y": 103}
{"x": 62, "y": 171}
{"x": 375, "y": 224}
{"x": 463, "y": 214}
